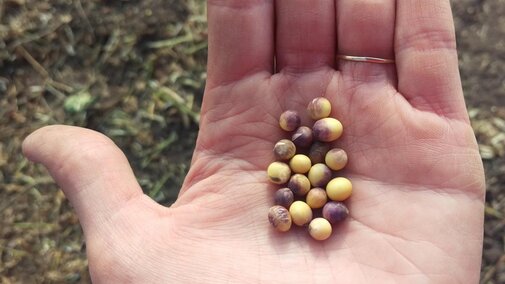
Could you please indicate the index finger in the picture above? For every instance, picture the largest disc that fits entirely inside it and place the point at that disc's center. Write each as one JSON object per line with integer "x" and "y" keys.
{"x": 241, "y": 39}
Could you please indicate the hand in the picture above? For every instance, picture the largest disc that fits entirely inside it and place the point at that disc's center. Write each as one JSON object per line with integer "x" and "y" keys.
{"x": 417, "y": 208}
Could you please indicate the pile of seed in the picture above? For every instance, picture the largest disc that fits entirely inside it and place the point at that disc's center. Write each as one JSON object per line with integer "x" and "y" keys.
{"x": 308, "y": 167}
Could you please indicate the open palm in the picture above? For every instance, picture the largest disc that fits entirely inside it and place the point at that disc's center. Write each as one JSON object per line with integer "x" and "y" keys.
{"x": 416, "y": 212}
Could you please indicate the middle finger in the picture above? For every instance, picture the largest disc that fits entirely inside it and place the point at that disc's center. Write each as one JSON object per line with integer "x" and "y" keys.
{"x": 305, "y": 34}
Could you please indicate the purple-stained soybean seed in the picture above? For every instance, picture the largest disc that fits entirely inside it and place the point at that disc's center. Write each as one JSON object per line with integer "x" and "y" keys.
{"x": 335, "y": 211}
{"x": 327, "y": 129}
{"x": 284, "y": 197}
{"x": 299, "y": 184}
{"x": 284, "y": 149}
{"x": 319, "y": 175}
{"x": 319, "y": 108}
{"x": 302, "y": 137}
{"x": 289, "y": 120}
{"x": 318, "y": 152}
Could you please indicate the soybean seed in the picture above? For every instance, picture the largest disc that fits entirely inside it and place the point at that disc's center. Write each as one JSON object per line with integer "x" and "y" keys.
{"x": 318, "y": 151}
{"x": 316, "y": 198}
{"x": 284, "y": 197}
{"x": 301, "y": 213}
{"x": 279, "y": 172}
{"x": 319, "y": 108}
{"x": 336, "y": 159}
{"x": 284, "y": 149}
{"x": 319, "y": 175}
{"x": 299, "y": 184}
{"x": 327, "y": 129}
{"x": 320, "y": 229}
{"x": 335, "y": 212}
{"x": 289, "y": 120}
{"x": 302, "y": 137}
{"x": 300, "y": 164}
{"x": 339, "y": 189}
{"x": 280, "y": 218}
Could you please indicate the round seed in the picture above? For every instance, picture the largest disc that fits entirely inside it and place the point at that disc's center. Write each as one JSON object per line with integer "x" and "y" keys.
{"x": 319, "y": 108}
{"x": 339, "y": 189}
{"x": 318, "y": 151}
{"x": 280, "y": 218}
{"x": 316, "y": 198}
{"x": 299, "y": 184}
{"x": 278, "y": 172}
{"x": 302, "y": 137}
{"x": 327, "y": 129}
{"x": 319, "y": 175}
{"x": 284, "y": 197}
{"x": 300, "y": 164}
{"x": 320, "y": 229}
{"x": 289, "y": 120}
{"x": 336, "y": 159}
{"x": 284, "y": 149}
{"x": 335, "y": 211}
{"x": 301, "y": 213}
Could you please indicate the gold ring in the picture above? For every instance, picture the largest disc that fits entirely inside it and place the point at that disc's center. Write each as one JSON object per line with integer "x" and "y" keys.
{"x": 366, "y": 59}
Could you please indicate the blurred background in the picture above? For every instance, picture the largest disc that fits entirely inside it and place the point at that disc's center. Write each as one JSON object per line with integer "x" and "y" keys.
{"x": 135, "y": 71}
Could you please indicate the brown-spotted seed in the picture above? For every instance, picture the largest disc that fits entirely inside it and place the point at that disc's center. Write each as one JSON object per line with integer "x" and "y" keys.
{"x": 319, "y": 108}
{"x": 302, "y": 137}
{"x": 280, "y": 218}
{"x": 289, "y": 120}
{"x": 279, "y": 172}
{"x": 284, "y": 149}
{"x": 327, "y": 129}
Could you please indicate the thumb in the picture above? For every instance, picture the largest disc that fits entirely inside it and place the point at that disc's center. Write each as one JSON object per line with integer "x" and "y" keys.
{"x": 91, "y": 170}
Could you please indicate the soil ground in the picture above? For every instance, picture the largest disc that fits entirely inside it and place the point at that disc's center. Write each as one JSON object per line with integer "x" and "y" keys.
{"x": 135, "y": 70}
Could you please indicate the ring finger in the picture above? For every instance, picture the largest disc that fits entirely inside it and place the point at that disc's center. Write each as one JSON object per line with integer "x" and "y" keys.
{"x": 366, "y": 28}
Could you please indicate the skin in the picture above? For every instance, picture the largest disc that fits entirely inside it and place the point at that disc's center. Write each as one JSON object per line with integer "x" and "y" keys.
{"x": 416, "y": 214}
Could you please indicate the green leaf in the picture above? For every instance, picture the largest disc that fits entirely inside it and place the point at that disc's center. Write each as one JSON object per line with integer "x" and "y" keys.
{"x": 78, "y": 102}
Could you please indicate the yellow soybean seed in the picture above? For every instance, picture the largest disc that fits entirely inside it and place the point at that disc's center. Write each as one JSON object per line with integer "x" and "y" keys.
{"x": 319, "y": 108}
{"x": 300, "y": 164}
{"x": 327, "y": 129}
{"x": 316, "y": 198}
{"x": 301, "y": 213}
{"x": 336, "y": 159}
{"x": 339, "y": 189}
{"x": 319, "y": 175}
{"x": 278, "y": 172}
{"x": 320, "y": 229}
